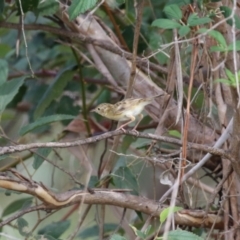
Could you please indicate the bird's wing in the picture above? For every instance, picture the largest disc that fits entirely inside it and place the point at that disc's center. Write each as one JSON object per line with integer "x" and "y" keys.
{"x": 120, "y": 106}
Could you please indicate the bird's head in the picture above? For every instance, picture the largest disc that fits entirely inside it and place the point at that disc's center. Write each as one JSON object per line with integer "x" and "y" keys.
{"x": 102, "y": 109}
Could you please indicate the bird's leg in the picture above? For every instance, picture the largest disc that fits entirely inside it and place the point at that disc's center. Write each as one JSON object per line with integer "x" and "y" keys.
{"x": 125, "y": 124}
{"x": 140, "y": 119}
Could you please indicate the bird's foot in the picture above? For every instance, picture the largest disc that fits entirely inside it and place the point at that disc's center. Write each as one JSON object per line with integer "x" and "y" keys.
{"x": 135, "y": 131}
{"x": 121, "y": 128}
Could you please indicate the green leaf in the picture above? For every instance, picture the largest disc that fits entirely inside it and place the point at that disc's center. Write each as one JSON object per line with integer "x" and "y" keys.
{"x": 192, "y": 17}
{"x": 126, "y": 143}
{"x": 227, "y": 13}
{"x": 194, "y": 20}
{"x": 27, "y": 204}
{"x": 55, "y": 229}
{"x": 93, "y": 231}
{"x": 237, "y": 46}
{"x": 182, "y": 235}
{"x": 4, "y": 49}
{"x": 23, "y": 227}
{"x": 147, "y": 231}
{"x": 3, "y": 71}
{"x": 137, "y": 232}
{"x": 38, "y": 160}
{"x": 54, "y": 91}
{"x": 105, "y": 96}
{"x": 15, "y": 206}
{"x": 216, "y": 35}
{"x": 45, "y": 237}
{"x": 2, "y": 5}
{"x": 174, "y": 133}
{"x": 173, "y": 12}
{"x": 48, "y": 7}
{"x": 223, "y": 80}
{"x": 142, "y": 235}
{"x": 183, "y": 31}
{"x": 166, "y": 23}
{"x": 140, "y": 215}
{"x": 217, "y": 49}
{"x": 28, "y": 5}
{"x": 156, "y": 40}
{"x": 80, "y": 6}
{"x": 200, "y": 21}
{"x": 4, "y": 156}
{"x": 164, "y": 214}
{"x": 123, "y": 178}
{"x": 179, "y": 3}
{"x": 200, "y": 4}
{"x": 117, "y": 237}
{"x": 8, "y": 90}
{"x": 230, "y": 75}
{"x": 44, "y": 120}
{"x": 198, "y": 231}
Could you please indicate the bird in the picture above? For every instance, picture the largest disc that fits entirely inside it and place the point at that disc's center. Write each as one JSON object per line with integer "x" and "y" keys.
{"x": 125, "y": 110}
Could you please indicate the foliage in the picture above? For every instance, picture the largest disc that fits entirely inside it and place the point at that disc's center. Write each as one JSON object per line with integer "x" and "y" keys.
{"x": 78, "y": 7}
{"x": 58, "y": 61}
{"x": 174, "y": 15}
{"x": 232, "y": 79}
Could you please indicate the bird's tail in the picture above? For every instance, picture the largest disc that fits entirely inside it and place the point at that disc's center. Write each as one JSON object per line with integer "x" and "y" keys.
{"x": 159, "y": 95}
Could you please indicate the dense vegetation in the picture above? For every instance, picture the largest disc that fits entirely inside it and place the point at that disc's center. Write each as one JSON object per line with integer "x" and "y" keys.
{"x": 66, "y": 173}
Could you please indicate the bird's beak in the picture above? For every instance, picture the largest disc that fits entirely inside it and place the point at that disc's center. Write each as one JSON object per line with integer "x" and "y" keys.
{"x": 93, "y": 110}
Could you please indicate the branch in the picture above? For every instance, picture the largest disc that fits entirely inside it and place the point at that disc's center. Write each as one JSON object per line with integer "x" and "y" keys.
{"x": 53, "y": 201}
{"x": 201, "y": 147}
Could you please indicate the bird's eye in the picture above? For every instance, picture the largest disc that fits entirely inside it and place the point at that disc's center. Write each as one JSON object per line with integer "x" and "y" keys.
{"x": 98, "y": 109}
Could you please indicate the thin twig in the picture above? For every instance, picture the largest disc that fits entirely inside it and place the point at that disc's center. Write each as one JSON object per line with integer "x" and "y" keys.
{"x": 83, "y": 93}
{"x": 187, "y": 115}
{"x": 80, "y": 222}
{"x": 139, "y": 10}
{"x": 24, "y": 37}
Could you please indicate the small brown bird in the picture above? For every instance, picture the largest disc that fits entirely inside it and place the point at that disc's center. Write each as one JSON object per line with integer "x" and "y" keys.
{"x": 124, "y": 110}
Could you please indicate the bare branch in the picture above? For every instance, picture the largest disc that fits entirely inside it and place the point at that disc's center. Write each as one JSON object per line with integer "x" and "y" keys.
{"x": 194, "y": 218}
{"x": 201, "y": 147}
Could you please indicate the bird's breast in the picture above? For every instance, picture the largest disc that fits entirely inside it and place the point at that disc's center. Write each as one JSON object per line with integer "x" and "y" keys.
{"x": 136, "y": 110}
